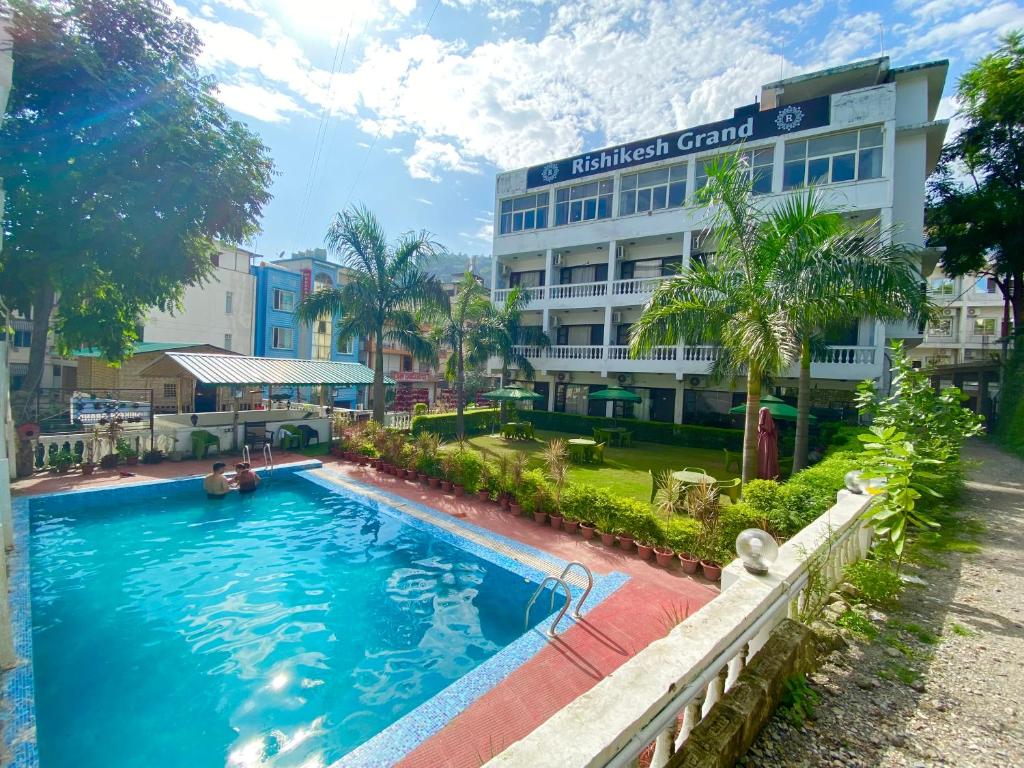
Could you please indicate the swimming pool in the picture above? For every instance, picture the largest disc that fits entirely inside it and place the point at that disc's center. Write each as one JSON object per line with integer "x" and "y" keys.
{"x": 284, "y": 628}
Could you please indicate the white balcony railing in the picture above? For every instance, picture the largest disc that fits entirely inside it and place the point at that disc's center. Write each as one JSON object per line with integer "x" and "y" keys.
{"x": 636, "y": 286}
{"x": 700, "y": 353}
{"x": 621, "y": 352}
{"x": 578, "y": 290}
{"x": 574, "y": 352}
{"x": 847, "y": 356}
{"x": 534, "y": 294}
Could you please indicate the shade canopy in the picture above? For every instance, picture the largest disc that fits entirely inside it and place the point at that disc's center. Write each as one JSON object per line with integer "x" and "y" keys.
{"x": 776, "y": 407}
{"x": 615, "y": 394}
{"x": 511, "y": 393}
{"x": 239, "y": 370}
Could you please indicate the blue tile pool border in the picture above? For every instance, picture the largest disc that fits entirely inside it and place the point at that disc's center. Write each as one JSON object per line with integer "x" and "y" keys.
{"x": 385, "y": 748}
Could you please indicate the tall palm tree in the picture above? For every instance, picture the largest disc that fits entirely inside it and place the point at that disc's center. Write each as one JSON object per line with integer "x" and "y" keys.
{"x": 833, "y": 274}
{"x": 387, "y": 287}
{"x": 458, "y": 324}
{"x": 506, "y": 334}
{"x": 735, "y": 300}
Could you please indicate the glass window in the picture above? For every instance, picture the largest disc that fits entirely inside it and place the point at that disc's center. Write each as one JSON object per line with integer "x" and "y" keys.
{"x": 526, "y": 212}
{"x": 583, "y": 202}
{"x": 229, "y": 300}
{"x": 227, "y": 341}
{"x": 322, "y": 334}
{"x": 284, "y": 300}
{"x": 281, "y": 338}
{"x": 833, "y": 159}
{"x": 984, "y": 326}
{"x": 652, "y": 190}
{"x": 985, "y": 285}
{"x": 943, "y": 286}
{"x": 346, "y": 346}
{"x": 170, "y": 390}
{"x": 758, "y": 164}
{"x": 943, "y": 326}
{"x": 22, "y": 338}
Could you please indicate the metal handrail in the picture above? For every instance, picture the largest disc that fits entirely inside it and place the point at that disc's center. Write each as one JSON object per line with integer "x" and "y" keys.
{"x": 586, "y": 592}
{"x": 268, "y": 458}
{"x": 246, "y": 457}
{"x": 552, "y": 630}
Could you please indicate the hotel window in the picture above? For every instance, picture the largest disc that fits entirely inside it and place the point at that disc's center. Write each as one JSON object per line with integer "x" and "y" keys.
{"x": 532, "y": 279}
{"x": 22, "y": 338}
{"x": 346, "y": 346}
{"x": 942, "y": 286}
{"x": 985, "y": 326}
{"x": 985, "y": 285}
{"x": 584, "y": 202}
{"x": 527, "y": 212}
{"x": 322, "y": 338}
{"x": 941, "y": 327}
{"x": 281, "y": 338}
{"x": 170, "y": 391}
{"x": 757, "y": 162}
{"x": 653, "y": 190}
{"x": 227, "y": 341}
{"x": 284, "y": 300}
{"x": 833, "y": 159}
{"x": 229, "y": 300}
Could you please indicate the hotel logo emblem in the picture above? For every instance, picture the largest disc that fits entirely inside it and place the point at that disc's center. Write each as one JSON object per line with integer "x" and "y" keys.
{"x": 550, "y": 172}
{"x": 789, "y": 118}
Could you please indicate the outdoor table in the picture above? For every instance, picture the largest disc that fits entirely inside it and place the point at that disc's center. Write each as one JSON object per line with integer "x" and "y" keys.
{"x": 517, "y": 430}
{"x": 692, "y": 478}
{"x": 610, "y": 434}
{"x": 582, "y": 448}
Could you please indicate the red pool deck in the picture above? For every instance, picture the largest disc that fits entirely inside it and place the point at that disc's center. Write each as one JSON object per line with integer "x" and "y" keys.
{"x": 641, "y": 611}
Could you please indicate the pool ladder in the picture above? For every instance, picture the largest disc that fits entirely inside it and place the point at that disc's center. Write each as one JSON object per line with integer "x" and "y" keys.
{"x": 560, "y": 581}
{"x": 268, "y": 457}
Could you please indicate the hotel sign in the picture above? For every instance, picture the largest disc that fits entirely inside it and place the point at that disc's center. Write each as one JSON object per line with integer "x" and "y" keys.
{"x": 747, "y": 124}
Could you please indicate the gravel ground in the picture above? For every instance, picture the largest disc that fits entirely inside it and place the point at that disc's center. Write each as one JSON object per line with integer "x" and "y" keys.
{"x": 943, "y": 684}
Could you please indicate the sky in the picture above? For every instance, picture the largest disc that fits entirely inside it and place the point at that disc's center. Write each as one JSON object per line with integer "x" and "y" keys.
{"x": 412, "y": 107}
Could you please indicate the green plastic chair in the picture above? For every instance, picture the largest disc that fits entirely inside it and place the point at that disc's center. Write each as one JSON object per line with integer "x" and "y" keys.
{"x": 289, "y": 437}
{"x": 733, "y": 459}
{"x": 695, "y": 469}
{"x": 730, "y": 489}
{"x": 201, "y": 442}
{"x": 598, "y": 453}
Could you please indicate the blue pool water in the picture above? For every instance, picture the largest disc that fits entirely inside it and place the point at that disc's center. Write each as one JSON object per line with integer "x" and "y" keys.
{"x": 278, "y": 629}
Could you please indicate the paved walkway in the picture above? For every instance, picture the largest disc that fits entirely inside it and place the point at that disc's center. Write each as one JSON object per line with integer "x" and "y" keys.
{"x": 944, "y": 683}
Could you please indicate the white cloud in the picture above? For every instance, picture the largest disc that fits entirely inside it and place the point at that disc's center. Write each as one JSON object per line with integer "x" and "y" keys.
{"x": 484, "y": 234}
{"x": 259, "y": 102}
{"x": 974, "y": 32}
{"x": 799, "y": 13}
{"x": 423, "y": 200}
{"x": 431, "y": 157}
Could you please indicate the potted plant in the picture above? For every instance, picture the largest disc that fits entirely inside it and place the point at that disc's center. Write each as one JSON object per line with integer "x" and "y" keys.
{"x": 604, "y": 518}
{"x": 152, "y": 456}
{"x": 664, "y": 556}
{"x": 89, "y": 452}
{"x": 689, "y": 562}
{"x": 626, "y": 542}
{"x": 483, "y": 495}
{"x": 570, "y": 524}
{"x": 644, "y": 549}
{"x": 588, "y": 529}
{"x": 712, "y": 568}
{"x": 702, "y": 501}
{"x": 127, "y": 452}
{"x": 556, "y": 464}
{"x": 540, "y": 517}
{"x": 61, "y": 461}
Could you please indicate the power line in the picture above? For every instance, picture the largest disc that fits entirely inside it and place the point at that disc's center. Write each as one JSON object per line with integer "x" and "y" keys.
{"x": 380, "y": 125}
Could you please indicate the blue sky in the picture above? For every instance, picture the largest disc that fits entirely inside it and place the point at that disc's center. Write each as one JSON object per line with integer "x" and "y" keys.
{"x": 412, "y": 106}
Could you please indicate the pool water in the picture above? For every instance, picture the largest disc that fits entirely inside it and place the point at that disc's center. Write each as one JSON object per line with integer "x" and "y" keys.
{"x": 282, "y": 628}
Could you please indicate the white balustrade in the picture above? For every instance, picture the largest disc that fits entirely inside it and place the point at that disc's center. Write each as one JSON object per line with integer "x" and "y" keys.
{"x": 635, "y": 286}
{"x": 659, "y": 696}
{"x": 574, "y": 352}
{"x": 847, "y": 356}
{"x": 700, "y": 353}
{"x": 621, "y": 352}
{"x": 530, "y": 352}
{"x": 534, "y": 294}
{"x": 398, "y": 420}
{"x": 578, "y": 290}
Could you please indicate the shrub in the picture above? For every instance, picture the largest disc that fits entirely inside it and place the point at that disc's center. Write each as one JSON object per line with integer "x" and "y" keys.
{"x": 682, "y": 534}
{"x": 463, "y": 467}
{"x": 877, "y": 581}
{"x": 647, "y": 431}
{"x": 734, "y": 519}
{"x": 580, "y": 501}
{"x": 533, "y": 492}
{"x": 420, "y": 409}
{"x": 443, "y": 424}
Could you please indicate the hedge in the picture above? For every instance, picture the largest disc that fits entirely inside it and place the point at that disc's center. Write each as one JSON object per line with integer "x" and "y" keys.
{"x": 478, "y": 421}
{"x": 687, "y": 435}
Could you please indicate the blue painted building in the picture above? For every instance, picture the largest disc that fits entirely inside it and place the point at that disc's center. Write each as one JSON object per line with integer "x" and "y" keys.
{"x": 280, "y": 285}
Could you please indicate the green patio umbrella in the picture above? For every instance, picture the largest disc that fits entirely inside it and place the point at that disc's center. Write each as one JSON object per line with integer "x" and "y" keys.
{"x": 513, "y": 393}
{"x": 779, "y": 409}
{"x": 615, "y": 394}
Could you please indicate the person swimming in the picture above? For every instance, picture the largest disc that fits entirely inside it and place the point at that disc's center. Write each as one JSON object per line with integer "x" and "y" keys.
{"x": 246, "y": 480}
{"x": 215, "y": 484}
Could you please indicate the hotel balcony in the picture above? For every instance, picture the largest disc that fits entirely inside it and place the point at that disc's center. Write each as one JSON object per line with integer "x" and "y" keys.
{"x": 586, "y": 295}
{"x": 847, "y": 363}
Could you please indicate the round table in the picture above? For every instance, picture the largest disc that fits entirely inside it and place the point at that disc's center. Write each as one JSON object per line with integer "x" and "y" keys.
{"x": 692, "y": 478}
{"x": 582, "y": 447}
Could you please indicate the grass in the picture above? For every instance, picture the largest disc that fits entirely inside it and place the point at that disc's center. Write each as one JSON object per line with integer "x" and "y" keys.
{"x": 625, "y": 470}
{"x": 901, "y": 672}
{"x": 961, "y": 630}
{"x": 857, "y": 623}
{"x": 923, "y": 634}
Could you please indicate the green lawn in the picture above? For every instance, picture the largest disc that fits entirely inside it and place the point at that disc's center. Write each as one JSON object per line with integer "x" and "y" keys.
{"x": 625, "y": 470}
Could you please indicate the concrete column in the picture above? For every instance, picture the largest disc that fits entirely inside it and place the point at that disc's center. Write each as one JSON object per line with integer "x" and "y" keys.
{"x": 494, "y": 276}
{"x": 551, "y": 394}
{"x": 549, "y": 268}
{"x": 677, "y": 415}
{"x": 612, "y": 244}
{"x": 777, "y": 165}
{"x": 687, "y": 248}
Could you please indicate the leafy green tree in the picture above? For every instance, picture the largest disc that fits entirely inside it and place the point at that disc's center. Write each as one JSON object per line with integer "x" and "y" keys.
{"x": 458, "y": 324}
{"x": 121, "y": 169}
{"x": 506, "y": 333}
{"x": 980, "y": 222}
{"x": 384, "y": 293}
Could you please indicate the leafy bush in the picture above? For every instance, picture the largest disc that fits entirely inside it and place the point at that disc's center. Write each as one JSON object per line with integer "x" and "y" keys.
{"x": 798, "y": 700}
{"x": 647, "y": 431}
{"x": 734, "y": 519}
{"x": 463, "y": 467}
{"x": 420, "y": 409}
{"x": 877, "y": 581}
{"x": 681, "y": 534}
{"x": 443, "y": 424}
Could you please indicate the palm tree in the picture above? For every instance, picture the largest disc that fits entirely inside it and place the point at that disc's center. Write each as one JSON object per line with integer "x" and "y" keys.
{"x": 833, "y": 274}
{"x": 384, "y": 292}
{"x": 458, "y": 324}
{"x": 506, "y": 334}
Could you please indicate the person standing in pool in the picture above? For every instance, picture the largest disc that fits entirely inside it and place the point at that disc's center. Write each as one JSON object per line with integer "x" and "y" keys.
{"x": 215, "y": 484}
{"x": 246, "y": 479}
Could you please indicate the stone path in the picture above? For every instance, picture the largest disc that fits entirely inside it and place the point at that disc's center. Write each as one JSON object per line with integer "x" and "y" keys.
{"x": 943, "y": 685}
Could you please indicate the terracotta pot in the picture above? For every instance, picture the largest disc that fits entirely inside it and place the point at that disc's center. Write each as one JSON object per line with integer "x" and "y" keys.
{"x": 88, "y": 468}
{"x": 434, "y": 482}
{"x": 556, "y": 521}
{"x": 570, "y": 526}
{"x": 625, "y": 543}
{"x": 688, "y": 562}
{"x": 483, "y": 495}
{"x": 446, "y": 486}
{"x": 712, "y": 571}
{"x": 588, "y": 530}
{"x": 608, "y": 539}
{"x": 645, "y": 551}
{"x": 422, "y": 477}
{"x": 379, "y": 466}
{"x": 664, "y": 556}
{"x": 410, "y": 474}
{"x": 460, "y": 490}
{"x": 515, "y": 509}
{"x": 540, "y": 518}
{"x": 506, "y": 502}
{"x": 132, "y": 461}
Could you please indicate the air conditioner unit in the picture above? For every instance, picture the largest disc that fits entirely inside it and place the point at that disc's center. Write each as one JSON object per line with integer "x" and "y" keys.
{"x": 616, "y": 318}
{"x": 624, "y": 379}
{"x": 556, "y": 260}
{"x": 971, "y": 311}
{"x": 695, "y": 381}
{"x": 620, "y": 252}
{"x": 563, "y": 377}
{"x": 947, "y": 313}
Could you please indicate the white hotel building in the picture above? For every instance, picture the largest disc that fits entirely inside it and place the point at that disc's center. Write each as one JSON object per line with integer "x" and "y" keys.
{"x": 590, "y": 237}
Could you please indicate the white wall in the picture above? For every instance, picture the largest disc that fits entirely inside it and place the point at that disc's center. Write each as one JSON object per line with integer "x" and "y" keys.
{"x": 204, "y": 319}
